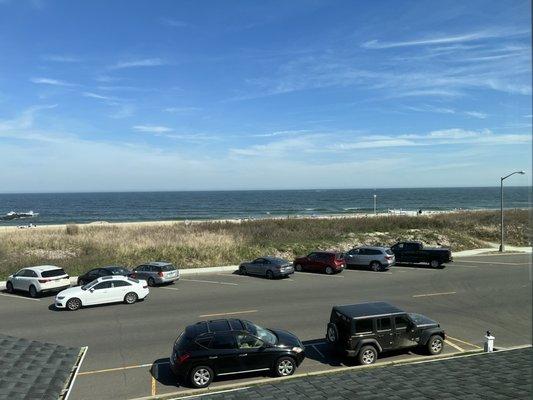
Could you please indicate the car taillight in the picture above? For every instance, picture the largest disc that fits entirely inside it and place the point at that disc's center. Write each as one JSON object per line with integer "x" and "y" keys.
{"x": 160, "y": 273}
{"x": 388, "y": 257}
{"x": 184, "y": 357}
{"x": 44, "y": 280}
{"x": 145, "y": 286}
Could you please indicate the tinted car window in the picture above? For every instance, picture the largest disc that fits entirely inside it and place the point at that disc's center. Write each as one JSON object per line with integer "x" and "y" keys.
{"x": 168, "y": 267}
{"x": 384, "y": 324}
{"x": 223, "y": 341}
{"x": 53, "y": 272}
{"x": 389, "y": 252}
{"x": 120, "y": 284}
{"x": 364, "y": 326}
{"x": 204, "y": 341}
{"x": 118, "y": 271}
{"x": 102, "y": 285}
{"x": 401, "y": 322}
{"x": 235, "y": 324}
{"x": 246, "y": 341}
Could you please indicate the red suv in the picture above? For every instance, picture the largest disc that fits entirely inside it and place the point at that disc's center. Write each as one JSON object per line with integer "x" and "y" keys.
{"x": 321, "y": 261}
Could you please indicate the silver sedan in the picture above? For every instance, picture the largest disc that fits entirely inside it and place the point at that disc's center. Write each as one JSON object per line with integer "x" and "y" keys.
{"x": 269, "y": 267}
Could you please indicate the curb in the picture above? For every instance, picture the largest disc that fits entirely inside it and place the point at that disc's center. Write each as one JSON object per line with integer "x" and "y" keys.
{"x": 265, "y": 381}
{"x": 186, "y": 271}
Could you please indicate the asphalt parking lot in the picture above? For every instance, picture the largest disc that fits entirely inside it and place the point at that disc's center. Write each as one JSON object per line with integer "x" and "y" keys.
{"x": 129, "y": 345}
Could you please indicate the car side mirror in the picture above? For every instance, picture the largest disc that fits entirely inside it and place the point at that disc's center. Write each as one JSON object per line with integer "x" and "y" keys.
{"x": 91, "y": 290}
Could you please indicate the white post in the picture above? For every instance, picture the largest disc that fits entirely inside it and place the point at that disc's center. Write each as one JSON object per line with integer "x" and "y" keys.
{"x": 489, "y": 343}
{"x": 375, "y": 198}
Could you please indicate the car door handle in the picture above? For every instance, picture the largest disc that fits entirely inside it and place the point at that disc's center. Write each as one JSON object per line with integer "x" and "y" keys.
{"x": 213, "y": 357}
{"x": 243, "y": 355}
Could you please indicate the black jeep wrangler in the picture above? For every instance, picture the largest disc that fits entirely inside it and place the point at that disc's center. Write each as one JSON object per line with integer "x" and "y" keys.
{"x": 367, "y": 329}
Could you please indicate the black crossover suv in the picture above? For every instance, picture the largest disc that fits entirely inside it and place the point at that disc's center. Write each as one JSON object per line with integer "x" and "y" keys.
{"x": 233, "y": 346}
{"x": 366, "y": 329}
{"x": 96, "y": 273}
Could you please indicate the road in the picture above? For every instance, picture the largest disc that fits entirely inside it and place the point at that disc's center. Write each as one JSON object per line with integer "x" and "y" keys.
{"x": 129, "y": 345}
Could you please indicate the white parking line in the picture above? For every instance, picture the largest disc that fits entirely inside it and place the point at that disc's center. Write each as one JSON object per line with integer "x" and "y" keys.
{"x": 228, "y": 313}
{"x": 494, "y": 262}
{"x": 202, "y": 281}
{"x": 434, "y": 294}
{"x": 168, "y": 288}
{"x": 18, "y": 297}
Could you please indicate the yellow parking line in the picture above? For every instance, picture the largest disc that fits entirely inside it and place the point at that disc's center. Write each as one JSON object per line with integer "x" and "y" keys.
{"x": 464, "y": 342}
{"x": 154, "y": 387}
{"x": 228, "y": 313}
{"x": 101, "y": 371}
{"x": 433, "y": 294}
{"x": 455, "y": 346}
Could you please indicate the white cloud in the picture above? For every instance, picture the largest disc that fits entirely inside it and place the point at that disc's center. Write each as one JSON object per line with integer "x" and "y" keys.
{"x": 476, "y": 114}
{"x": 466, "y": 37}
{"x": 61, "y": 58}
{"x": 152, "y": 129}
{"x": 145, "y": 62}
{"x": 96, "y": 96}
{"x": 50, "y": 81}
{"x": 174, "y": 22}
{"x": 182, "y": 110}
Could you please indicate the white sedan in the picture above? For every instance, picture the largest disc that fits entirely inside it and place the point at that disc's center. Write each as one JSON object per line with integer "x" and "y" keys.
{"x": 108, "y": 289}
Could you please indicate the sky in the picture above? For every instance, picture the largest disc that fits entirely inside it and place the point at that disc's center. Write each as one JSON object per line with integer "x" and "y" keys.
{"x": 229, "y": 95}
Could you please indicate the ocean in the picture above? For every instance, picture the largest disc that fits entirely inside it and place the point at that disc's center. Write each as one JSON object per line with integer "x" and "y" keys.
{"x": 59, "y": 208}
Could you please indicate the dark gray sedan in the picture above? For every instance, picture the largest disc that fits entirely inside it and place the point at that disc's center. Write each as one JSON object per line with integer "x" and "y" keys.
{"x": 269, "y": 267}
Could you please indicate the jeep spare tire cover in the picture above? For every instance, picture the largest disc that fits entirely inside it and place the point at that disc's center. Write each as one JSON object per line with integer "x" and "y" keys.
{"x": 332, "y": 334}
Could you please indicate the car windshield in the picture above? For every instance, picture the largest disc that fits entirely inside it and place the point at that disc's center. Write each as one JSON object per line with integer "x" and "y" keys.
{"x": 87, "y": 286}
{"x": 419, "y": 319}
{"x": 389, "y": 252}
{"x": 262, "y": 333}
{"x": 118, "y": 271}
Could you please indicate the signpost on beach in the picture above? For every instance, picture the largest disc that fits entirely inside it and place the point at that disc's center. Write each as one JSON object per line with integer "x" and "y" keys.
{"x": 502, "y": 246}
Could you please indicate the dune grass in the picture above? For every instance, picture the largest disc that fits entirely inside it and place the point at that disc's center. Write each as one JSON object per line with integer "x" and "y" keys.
{"x": 79, "y": 248}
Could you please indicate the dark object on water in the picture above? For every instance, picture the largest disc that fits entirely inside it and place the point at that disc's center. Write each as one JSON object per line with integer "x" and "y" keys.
{"x": 18, "y": 215}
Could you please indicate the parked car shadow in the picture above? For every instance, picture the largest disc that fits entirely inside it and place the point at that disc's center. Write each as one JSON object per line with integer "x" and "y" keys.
{"x": 421, "y": 266}
{"x": 26, "y": 294}
{"x": 365, "y": 268}
{"x": 162, "y": 373}
{"x": 260, "y": 276}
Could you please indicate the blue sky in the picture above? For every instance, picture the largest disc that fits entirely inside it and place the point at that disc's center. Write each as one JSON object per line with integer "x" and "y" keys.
{"x": 199, "y": 95}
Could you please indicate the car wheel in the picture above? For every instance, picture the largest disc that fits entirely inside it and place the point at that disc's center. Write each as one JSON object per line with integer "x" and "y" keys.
{"x": 435, "y": 345}
{"x": 130, "y": 298}
{"x": 298, "y": 268}
{"x": 329, "y": 270}
{"x": 375, "y": 266}
{"x": 151, "y": 282}
{"x": 285, "y": 366}
{"x": 201, "y": 376}
{"x": 368, "y": 355}
{"x": 434, "y": 264}
{"x": 332, "y": 334}
{"x": 73, "y": 304}
{"x": 33, "y": 292}
{"x": 242, "y": 270}
{"x": 9, "y": 287}
{"x": 269, "y": 275}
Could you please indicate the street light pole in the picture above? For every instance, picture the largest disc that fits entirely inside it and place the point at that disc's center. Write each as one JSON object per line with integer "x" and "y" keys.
{"x": 502, "y": 245}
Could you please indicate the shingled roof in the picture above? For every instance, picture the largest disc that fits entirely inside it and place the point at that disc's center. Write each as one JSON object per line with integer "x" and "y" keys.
{"x": 35, "y": 370}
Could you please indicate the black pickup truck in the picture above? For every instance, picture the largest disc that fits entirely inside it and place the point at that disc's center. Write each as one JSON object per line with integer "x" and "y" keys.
{"x": 415, "y": 252}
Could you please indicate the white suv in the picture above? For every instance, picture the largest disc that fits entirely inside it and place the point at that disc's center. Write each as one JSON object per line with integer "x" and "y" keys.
{"x": 37, "y": 280}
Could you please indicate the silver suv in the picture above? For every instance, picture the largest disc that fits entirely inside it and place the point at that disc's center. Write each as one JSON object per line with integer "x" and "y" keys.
{"x": 377, "y": 258}
{"x": 156, "y": 273}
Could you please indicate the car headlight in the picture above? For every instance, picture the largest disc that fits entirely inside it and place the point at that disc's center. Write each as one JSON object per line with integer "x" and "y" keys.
{"x": 60, "y": 297}
{"x": 297, "y": 349}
